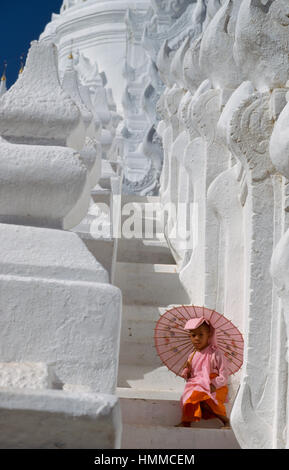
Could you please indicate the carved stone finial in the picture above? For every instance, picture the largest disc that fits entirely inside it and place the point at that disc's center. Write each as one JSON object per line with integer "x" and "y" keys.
{"x": 71, "y": 85}
{"x": 164, "y": 60}
{"x": 3, "y": 86}
{"x": 193, "y": 75}
{"x": 41, "y": 180}
{"x": 279, "y": 143}
{"x": 249, "y": 134}
{"x": 216, "y": 53}
{"x": 177, "y": 63}
{"x": 36, "y": 109}
{"x": 243, "y": 92}
{"x": 261, "y": 42}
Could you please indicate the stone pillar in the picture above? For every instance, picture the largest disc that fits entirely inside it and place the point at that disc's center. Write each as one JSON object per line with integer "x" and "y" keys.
{"x": 250, "y": 132}
{"x": 279, "y": 156}
{"x": 258, "y": 415}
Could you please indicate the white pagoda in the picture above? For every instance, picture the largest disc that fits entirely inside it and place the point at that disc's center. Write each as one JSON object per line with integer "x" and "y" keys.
{"x": 210, "y": 79}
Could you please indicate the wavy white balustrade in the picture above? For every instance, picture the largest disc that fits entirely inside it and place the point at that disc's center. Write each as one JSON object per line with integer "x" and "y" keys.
{"x": 233, "y": 177}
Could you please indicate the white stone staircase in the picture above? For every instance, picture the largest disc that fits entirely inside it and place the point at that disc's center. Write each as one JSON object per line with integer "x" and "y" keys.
{"x": 149, "y": 393}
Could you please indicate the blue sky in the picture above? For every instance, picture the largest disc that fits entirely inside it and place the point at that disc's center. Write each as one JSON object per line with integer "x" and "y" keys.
{"x": 20, "y": 23}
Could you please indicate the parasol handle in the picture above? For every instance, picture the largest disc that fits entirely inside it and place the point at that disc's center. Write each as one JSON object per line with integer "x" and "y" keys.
{"x": 188, "y": 363}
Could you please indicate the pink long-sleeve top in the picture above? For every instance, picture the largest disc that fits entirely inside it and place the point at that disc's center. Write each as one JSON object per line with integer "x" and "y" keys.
{"x": 197, "y": 373}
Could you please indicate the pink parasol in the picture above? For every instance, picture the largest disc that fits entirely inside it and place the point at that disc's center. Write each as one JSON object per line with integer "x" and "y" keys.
{"x": 173, "y": 342}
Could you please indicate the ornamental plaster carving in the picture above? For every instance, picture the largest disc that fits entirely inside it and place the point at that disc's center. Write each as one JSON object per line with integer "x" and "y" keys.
{"x": 90, "y": 155}
{"x": 189, "y": 24}
{"x": 164, "y": 60}
{"x": 225, "y": 287}
{"x": 88, "y": 70}
{"x": 279, "y": 156}
{"x": 192, "y": 72}
{"x": 249, "y": 135}
{"x": 279, "y": 144}
{"x": 24, "y": 199}
{"x": 195, "y": 154}
{"x": 243, "y": 92}
{"x": 135, "y": 21}
{"x": 261, "y": 42}
{"x": 149, "y": 102}
{"x": 172, "y": 8}
{"x": 217, "y": 43}
{"x": 70, "y": 85}
{"x": 224, "y": 202}
{"x": 205, "y": 113}
{"x": 212, "y": 6}
{"x": 208, "y": 158}
{"x": 176, "y": 70}
{"x": 85, "y": 95}
{"x": 20, "y": 114}
{"x": 100, "y": 102}
{"x": 164, "y": 129}
{"x": 191, "y": 123}
{"x": 152, "y": 147}
{"x": 168, "y": 63}
{"x": 184, "y": 112}
{"x": 172, "y": 99}
{"x": 186, "y": 182}
{"x": 37, "y": 119}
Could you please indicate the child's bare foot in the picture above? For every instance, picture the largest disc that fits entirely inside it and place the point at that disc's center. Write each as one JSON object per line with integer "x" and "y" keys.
{"x": 183, "y": 424}
{"x": 225, "y": 421}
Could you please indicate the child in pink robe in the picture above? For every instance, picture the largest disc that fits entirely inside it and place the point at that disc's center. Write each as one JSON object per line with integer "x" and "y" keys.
{"x": 206, "y": 375}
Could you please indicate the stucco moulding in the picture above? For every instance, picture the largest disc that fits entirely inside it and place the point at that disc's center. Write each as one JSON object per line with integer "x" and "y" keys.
{"x": 36, "y": 109}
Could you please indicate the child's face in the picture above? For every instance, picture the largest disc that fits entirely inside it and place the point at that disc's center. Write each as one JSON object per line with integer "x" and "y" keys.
{"x": 200, "y": 337}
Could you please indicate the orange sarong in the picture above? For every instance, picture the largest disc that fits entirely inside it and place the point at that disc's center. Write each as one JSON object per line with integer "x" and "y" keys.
{"x": 192, "y": 410}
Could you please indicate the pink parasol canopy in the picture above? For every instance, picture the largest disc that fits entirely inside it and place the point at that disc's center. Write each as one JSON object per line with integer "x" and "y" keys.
{"x": 173, "y": 342}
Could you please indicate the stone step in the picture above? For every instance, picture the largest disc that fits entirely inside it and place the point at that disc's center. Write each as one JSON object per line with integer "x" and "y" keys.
{"x": 137, "y": 333}
{"x": 150, "y": 409}
{"x": 150, "y": 284}
{"x": 142, "y": 312}
{"x": 137, "y": 344}
{"x": 146, "y": 382}
{"x": 138, "y": 330}
{"x": 138, "y": 436}
{"x": 148, "y": 313}
{"x": 139, "y": 354}
{"x": 143, "y": 378}
{"x": 146, "y": 395}
{"x": 155, "y": 408}
{"x": 138, "y": 250}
